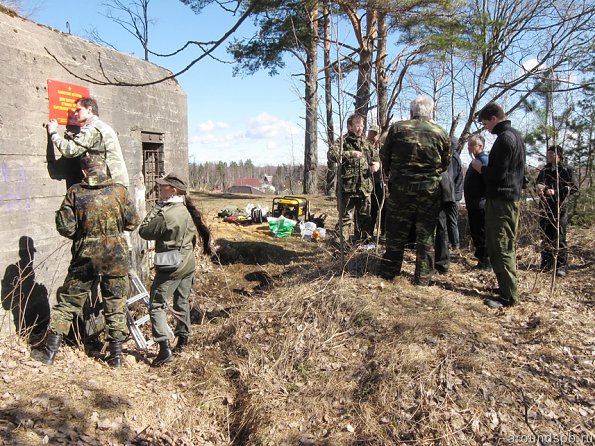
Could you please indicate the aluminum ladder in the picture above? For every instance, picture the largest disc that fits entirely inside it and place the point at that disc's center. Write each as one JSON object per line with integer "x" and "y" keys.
{"x": 139, "y": 293}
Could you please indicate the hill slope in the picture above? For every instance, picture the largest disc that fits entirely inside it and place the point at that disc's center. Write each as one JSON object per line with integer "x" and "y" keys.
{"x": 290, "y": 348}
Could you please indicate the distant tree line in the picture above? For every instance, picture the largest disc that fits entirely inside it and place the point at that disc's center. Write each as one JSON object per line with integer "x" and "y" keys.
{"x": 219, "y": 176}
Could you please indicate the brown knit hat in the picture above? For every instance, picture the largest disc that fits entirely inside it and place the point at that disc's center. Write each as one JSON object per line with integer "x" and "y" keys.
{"x": 173, "y": 179}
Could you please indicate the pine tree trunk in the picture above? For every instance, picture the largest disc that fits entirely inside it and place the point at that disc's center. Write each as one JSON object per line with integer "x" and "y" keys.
{"x": 331, "y": 173}
{"x": 311, "y": 97}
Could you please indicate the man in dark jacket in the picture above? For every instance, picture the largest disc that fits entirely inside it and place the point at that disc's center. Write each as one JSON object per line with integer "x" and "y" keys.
{"x": 504, "y": 178}
{"x": 475, "y": 200}
{"x": 452, "y": 208}
{"x": 447, "y": 228}
{"x": 94, "y": 214}
{"x": 555, "y": 184}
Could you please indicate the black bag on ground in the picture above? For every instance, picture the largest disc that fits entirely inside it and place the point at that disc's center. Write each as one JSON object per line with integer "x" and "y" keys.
{"x": 318, "y": 220}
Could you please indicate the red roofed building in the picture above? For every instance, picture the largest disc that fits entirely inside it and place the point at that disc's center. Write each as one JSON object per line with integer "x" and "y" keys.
{"x": 254, "y": 182}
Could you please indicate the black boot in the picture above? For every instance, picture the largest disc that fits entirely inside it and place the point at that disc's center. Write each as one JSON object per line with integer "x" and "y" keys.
{"x": 484, "y": 264}
{"x": 115, "y": 354}
{"x": 387, "y": 267}
{"x": 47, "y": 353}
{"x": 181, "y": 344}
{"x": 164, "y": 355}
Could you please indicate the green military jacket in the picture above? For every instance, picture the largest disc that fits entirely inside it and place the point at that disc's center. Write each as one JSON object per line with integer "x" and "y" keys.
{"x": 171, "y": 226}
{"x": 356, "y": 176}
{"x": 96, "y": 137}
{"x": 415, "y": 154}
{"x": 94, "y": 214}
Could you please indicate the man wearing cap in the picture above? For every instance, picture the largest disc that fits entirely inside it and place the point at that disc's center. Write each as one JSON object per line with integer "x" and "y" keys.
{"x": 94, "y": 215}
{"x": 95, "y": 137}
{"x": 357, "y": 161}
{"x": 555, "y": 183}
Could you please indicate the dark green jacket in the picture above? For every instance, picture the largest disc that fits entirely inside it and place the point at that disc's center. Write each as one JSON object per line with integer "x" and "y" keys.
{"x": 167, "y": 224}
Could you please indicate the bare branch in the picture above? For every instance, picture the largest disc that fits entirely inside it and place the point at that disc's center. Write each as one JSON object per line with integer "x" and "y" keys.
{"x": 93, "y": 34}
{"x": 120, "y": 83}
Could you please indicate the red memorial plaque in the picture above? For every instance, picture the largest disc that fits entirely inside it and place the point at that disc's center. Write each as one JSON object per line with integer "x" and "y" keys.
{"x": 62, "y": 98}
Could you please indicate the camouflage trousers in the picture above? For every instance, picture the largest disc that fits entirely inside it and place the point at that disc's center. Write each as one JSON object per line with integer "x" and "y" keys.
{"x": 75, "y": 291}
{"x": 405, "y": 209}
{"x": 355, "y": 209}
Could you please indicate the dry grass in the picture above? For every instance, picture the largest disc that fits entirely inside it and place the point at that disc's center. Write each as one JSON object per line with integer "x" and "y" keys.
{"x": 313, "y": 353}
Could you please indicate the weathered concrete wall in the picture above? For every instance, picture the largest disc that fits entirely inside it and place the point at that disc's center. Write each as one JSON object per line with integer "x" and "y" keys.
{"x": 31, "y": 189}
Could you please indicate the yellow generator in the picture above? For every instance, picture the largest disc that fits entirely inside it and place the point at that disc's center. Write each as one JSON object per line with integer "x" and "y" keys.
{"x": 295, "y": 208}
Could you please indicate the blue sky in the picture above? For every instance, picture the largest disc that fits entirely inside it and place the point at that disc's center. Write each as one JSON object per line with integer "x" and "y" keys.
{"x": 229, "y": 118}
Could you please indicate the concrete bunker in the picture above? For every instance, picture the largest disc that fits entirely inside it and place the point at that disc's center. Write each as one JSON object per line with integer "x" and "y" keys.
{"x": 151, "y": 123}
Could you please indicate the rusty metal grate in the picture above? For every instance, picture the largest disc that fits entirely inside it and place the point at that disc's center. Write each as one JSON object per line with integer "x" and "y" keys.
{"x": 153, "y": 165}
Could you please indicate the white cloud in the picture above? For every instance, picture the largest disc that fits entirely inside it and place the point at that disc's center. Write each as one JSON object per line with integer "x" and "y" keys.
{"x": 212, "y": 125}
{"x": 528, "y": 65}
{"x": 265, "y": 139}
{"x": 215, "y": 138}
{"x": 266, "y": 126}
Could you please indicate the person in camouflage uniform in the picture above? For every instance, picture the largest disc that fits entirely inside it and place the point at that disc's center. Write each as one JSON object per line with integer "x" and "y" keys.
{"x": 94, "y": 215}
{"x": 95, "y": 137}
{"x": 358, "y": 161}
{"x": 413, "y": 157}
{"x": 378, "y": 211}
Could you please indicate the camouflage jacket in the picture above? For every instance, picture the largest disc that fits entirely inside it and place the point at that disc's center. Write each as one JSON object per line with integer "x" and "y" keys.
{"x": 356, "y": 176}
{"x": 94, "y": 215}
{"x": 415, "y": 154}
{"x": 98, "y": 138}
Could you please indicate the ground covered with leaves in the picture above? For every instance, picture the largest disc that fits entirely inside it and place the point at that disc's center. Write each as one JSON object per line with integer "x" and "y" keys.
{"x": 294, "y": 344}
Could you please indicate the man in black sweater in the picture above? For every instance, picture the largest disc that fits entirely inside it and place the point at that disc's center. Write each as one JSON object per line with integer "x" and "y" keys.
{"x": 503, "y": 176}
